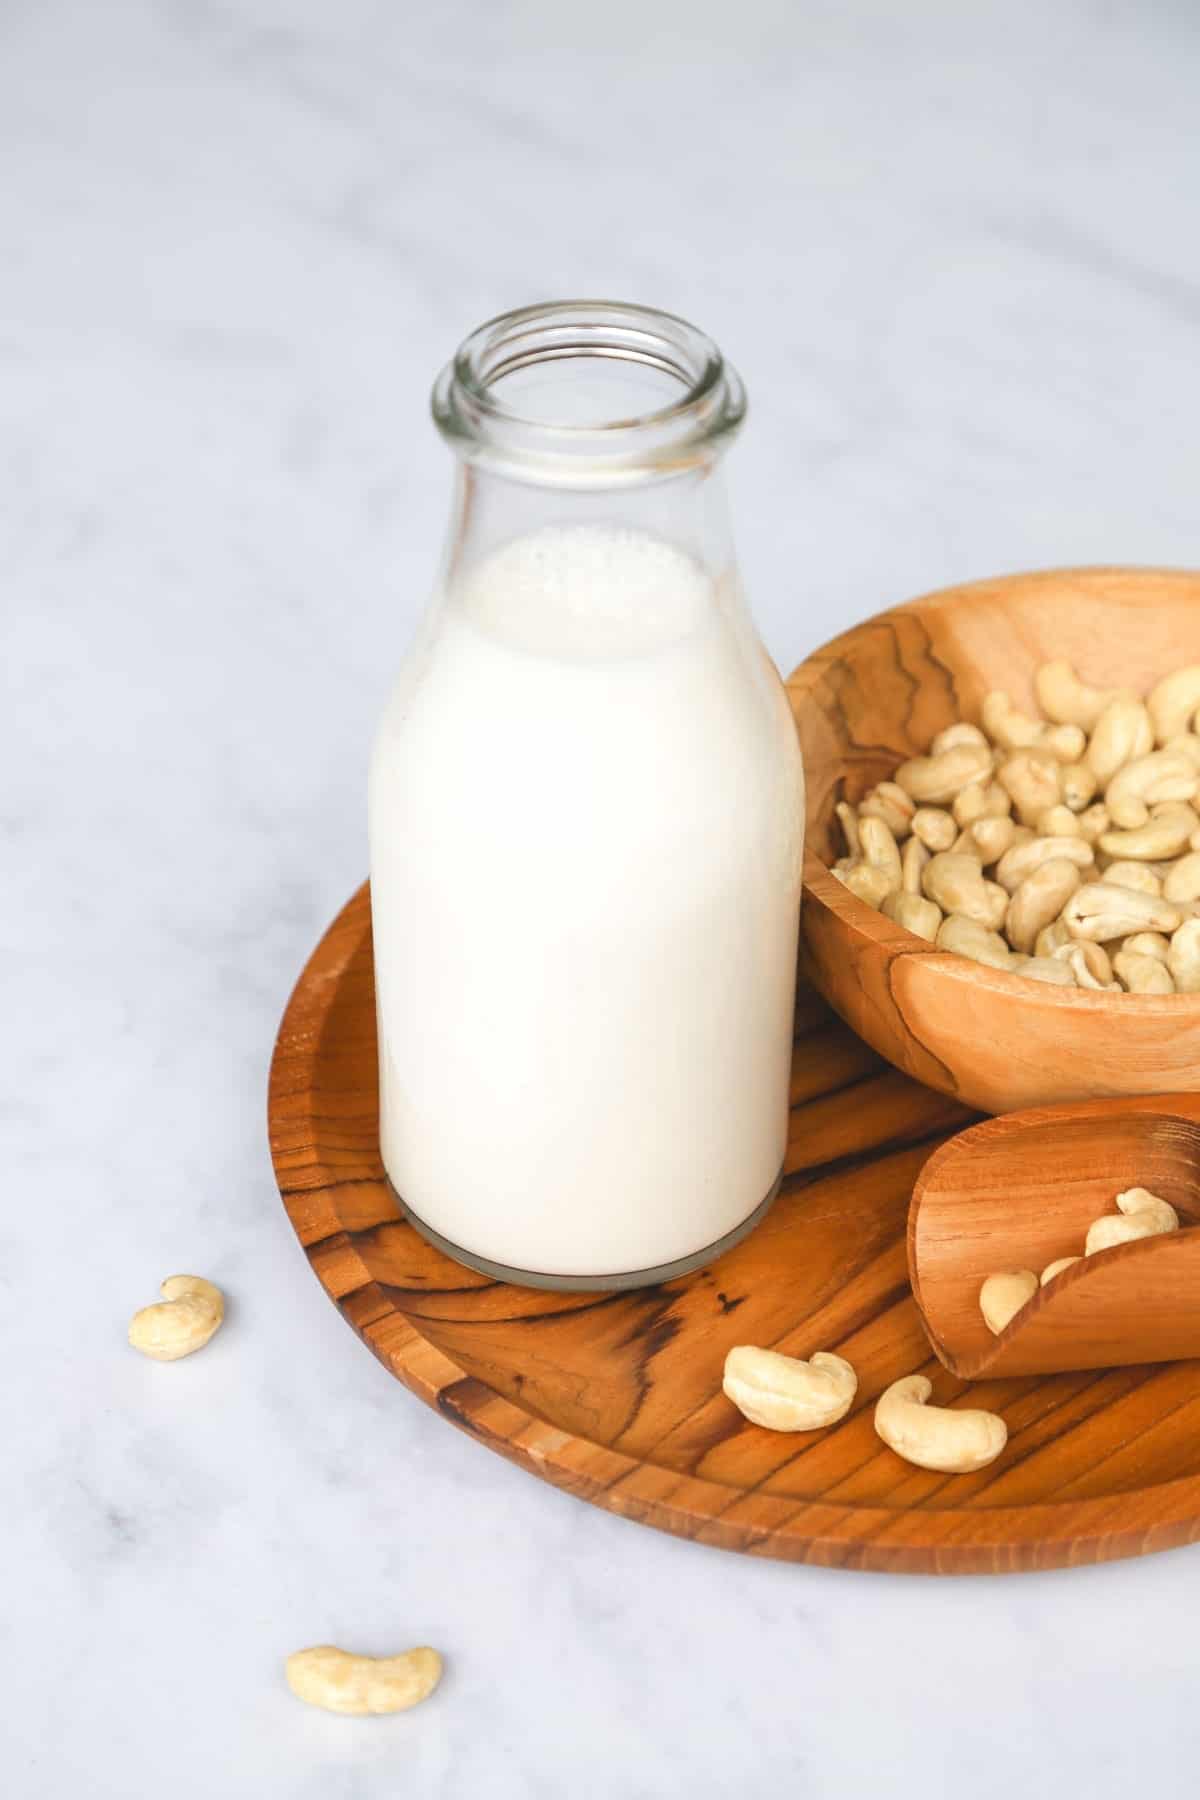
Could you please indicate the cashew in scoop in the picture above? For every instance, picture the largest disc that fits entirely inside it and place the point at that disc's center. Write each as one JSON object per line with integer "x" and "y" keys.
{"x": 1066, "y": 699}
{"x": 914, "y": 912}
{"x": 1172, "y": 702}
{"x": 936, "y": 1437}
{"x": 1039, "y": 900}
{"x": 1101, "y": 911}
{"x": 1002, "y": 1296}
{"x": 1066, "y": 743}
{"x": 1053, "y": 939}
{"x": 1141, "y": 1214}
{"x": 1078, "y": 783}
{"x": 937, "y": 779}
{"x": 1123, "y": 731}
{"x": 187, "y": 1316}
{"x": 785, "y": 1393}
{"x": 339, "y": 1682}
{"x": 1183, "y": 957}
{"x": 1057, "y": 1267}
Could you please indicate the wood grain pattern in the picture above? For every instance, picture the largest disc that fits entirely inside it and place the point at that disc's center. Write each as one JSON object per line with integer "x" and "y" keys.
{"x": 617, "y": 1398}
{"x": 877, "y": 695}
{"x": 1021, "y": 1191}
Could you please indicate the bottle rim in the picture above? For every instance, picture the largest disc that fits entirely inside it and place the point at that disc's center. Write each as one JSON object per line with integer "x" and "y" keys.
{"x": 690, "y": 429}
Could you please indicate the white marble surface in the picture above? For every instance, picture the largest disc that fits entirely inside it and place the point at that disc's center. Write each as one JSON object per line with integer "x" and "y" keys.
{"x": 954, "y": 250}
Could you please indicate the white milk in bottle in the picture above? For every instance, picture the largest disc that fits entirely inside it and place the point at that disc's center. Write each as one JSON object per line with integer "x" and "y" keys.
{"x": 586, "y": 824}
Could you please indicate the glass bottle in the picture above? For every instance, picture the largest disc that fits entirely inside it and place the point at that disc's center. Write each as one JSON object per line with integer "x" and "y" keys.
{"x": 586, "y": 819}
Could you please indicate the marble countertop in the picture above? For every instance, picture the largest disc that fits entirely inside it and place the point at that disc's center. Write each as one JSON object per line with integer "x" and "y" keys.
{"x": 953, "y": 250}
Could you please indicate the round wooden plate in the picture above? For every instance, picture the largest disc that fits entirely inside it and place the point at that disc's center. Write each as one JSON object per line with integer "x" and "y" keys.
{"x": 617, "y": 1398}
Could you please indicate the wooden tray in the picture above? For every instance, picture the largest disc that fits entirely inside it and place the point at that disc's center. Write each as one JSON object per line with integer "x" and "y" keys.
{"x": 618, "y": 1398}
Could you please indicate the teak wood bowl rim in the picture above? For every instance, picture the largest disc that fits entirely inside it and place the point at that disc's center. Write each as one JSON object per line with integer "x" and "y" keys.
{"x": 1032, "y": 1536}
{"x": 876, "y": 926}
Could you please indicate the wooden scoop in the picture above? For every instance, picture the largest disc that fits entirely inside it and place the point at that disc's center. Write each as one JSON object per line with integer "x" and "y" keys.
{"x": 1020, "y": 1191}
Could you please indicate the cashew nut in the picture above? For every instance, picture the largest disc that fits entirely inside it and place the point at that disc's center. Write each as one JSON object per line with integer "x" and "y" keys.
{"x": 1038, "y": 900}
{"x": 1017, "y": 864}
{"x": 1034, "y": 781}
{"x": 879, "y": 850}
{"x": 1164, "y": 835}
{"x": 980, "y": 800}
{"x": 342, "y": 1683}
{"x": 1064, "y": 698}
{"x": 1172, "y": 702}
{"x": 1089, "y": 963}
{"x": 1094, "y": 822}
{"x": 914, "y": 912}
{"x": 1182, "y": 881}
{"x": 914, "y": 860}
{"x": 1052, "y": 939}
{"x": 1101, "y": 911}
{"x": 937, "y": 779}
{"x": 1058, "y": 821}
{"x": 890, "y": 803}
{"x": 1147, "y": 943}
{"x": 1078, "y": 783}
{"x": 868, "y": 884}
{"x": 935, "y": 827}
{"x": 848, "y": 820}
{"x": 187, "y": 1316}
{"x": 1006, "y": 725}
{"x": 1135, "y": 788}
{"x": 1183, "y": 957}
{"x": 937, "y": 1437}
{"x": 1142, "y": 1214}
{"x": 1057, "y": 1267}
{"x": 1066, "y": 743}
{"x": 988, "y": 838}
{"x": 1049, "y": 970}
{"x": 1134, "y": 875}
{"x": 1002, "y": 1296}
{"x": 1142, "y": 974}
{"x": 1123, "y": 731}
{"x": 954, "y": 735}
{"x": 957, "y": 884}
{"x": 785, "y": 1393}
{"x": 1185, "y": 743}
{"x": 966, "y": 937}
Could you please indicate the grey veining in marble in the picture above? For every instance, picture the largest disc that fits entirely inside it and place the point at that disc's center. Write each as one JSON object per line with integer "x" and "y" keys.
{"x": 953, "y": 250}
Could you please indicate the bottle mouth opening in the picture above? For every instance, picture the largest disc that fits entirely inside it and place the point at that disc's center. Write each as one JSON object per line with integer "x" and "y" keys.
{"x": 586, "y": 392}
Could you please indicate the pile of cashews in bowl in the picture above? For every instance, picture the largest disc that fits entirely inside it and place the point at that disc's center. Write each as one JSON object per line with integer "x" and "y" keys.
{"x": 1063, "y": 849}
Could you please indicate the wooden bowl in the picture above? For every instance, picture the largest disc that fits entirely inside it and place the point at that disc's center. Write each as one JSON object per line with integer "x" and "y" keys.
{"x": 877, "y": 695}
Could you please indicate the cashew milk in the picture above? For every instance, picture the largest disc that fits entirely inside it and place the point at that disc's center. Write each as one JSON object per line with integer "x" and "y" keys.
{"x": 586, "y": 820}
